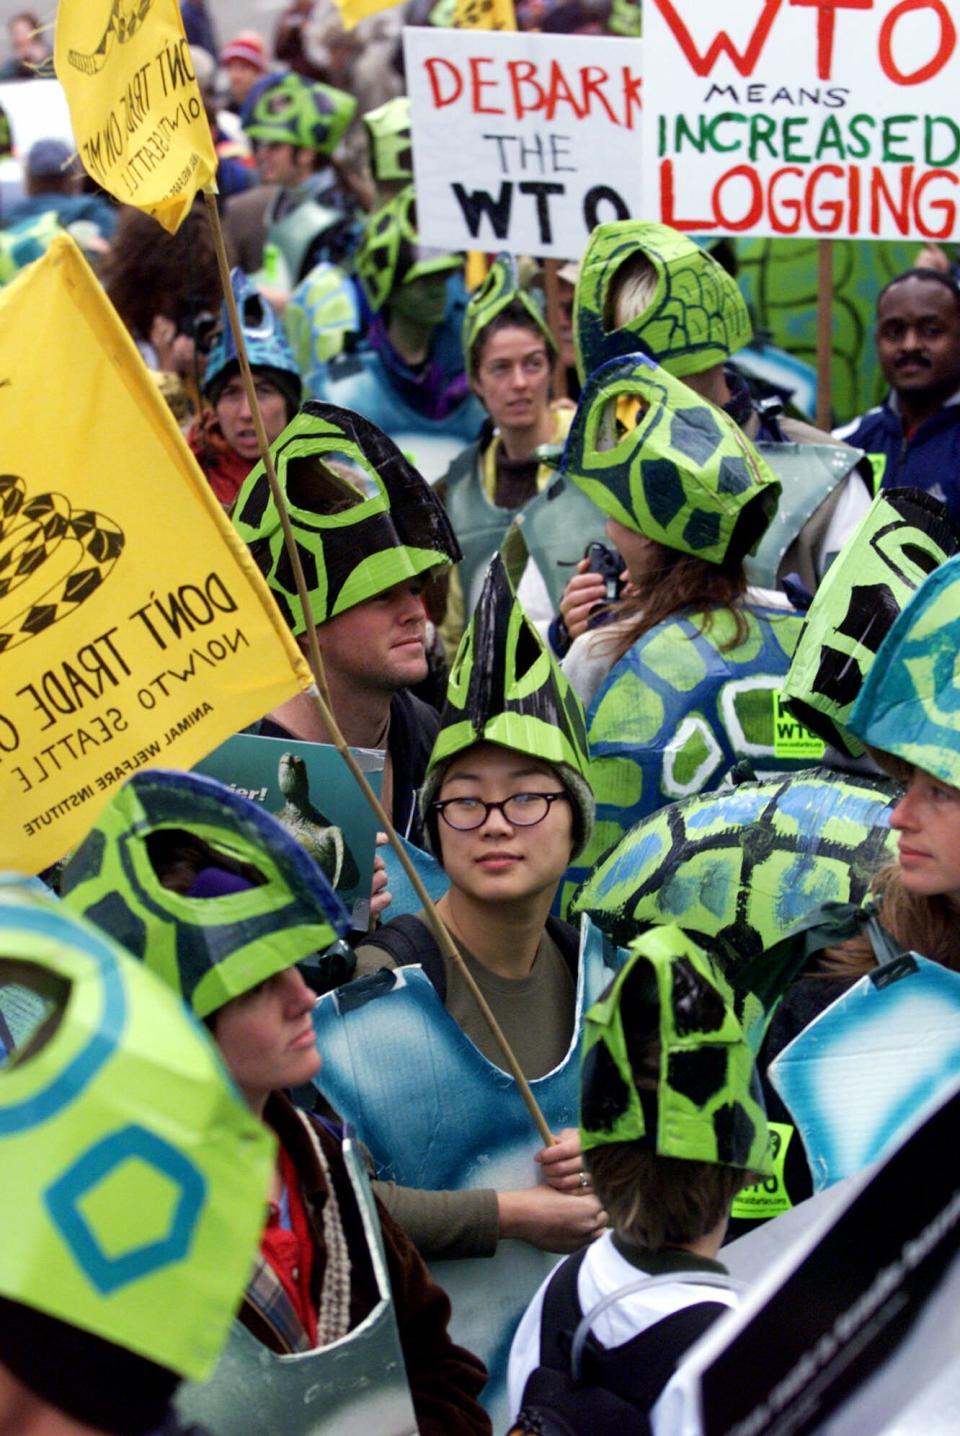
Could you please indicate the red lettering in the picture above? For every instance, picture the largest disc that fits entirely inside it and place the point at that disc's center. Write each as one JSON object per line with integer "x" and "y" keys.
{"x": 948, "y": 41}
{"x": 826, "y": 18}
{"x": 632, "y": 96}
{"x": 853, "y": 222}
{"x": 790, "y": 206}
{"x": 668, "y": 214}
{"x": 878, "y": 187}
{"x": 478, "y": 83}
{"x": 524, "y": 72}
{"x": 431, "y": 67}
{"x": 561, "y": 94}
{"x": 721, "y": 44}
{"x": 831, "y": 208}
{"x": 751, "y": 218}
{"x": 947, "y": 207}
{"x": 592, "y": 79}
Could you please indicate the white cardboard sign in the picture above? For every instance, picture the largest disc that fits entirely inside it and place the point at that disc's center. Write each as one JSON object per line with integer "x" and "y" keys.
{"x": 522, "y": 142}
{"x": 803, "y": 117}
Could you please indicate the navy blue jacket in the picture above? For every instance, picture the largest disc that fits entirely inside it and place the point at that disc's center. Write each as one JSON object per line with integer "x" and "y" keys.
{"x": 929, "y": 459}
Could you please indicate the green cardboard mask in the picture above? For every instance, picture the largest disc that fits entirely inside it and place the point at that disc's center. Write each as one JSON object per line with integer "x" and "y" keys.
{"x": 357, "y": 535}
{"x": 500, "y": 289}
{"x": 208, "y": 949}
{"x": 908, "y": 711}
{"x": 134, "y": 1178}
{"x": 696, "y": 318}
{"x": 388, "y": 130}
{"x": 685, "y": 475}
{"x": 390, "y": 252}
{"x": 905, "y": 535}
{"x": 703, "y": 1103}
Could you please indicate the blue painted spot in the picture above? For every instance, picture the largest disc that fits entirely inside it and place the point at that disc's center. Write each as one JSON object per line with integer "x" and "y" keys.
{"x": 632, "y": 857}
{"x": 110, "y": 1273}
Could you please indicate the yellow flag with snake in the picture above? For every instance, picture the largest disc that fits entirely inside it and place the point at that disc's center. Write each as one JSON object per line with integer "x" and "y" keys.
{"x": 135, "y": 629}
{"x": 139, "y": 121}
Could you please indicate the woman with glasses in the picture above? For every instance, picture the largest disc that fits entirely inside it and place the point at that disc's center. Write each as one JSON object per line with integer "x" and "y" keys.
{"x": 509, "y": 353}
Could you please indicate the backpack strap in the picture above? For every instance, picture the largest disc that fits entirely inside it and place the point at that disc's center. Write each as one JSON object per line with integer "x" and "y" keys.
{"x": 639, "y": 1370}
{"x": 409, "y": 941}
{"x": 561, "y": 1313}
{"x": 567, "y": 939}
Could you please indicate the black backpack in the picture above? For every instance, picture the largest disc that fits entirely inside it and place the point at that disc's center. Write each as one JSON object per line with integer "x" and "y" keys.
{"x": 616, "y": 1387}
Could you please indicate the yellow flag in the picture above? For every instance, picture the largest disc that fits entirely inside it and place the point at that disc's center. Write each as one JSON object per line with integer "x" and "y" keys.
{"x": 353, "y": 11}
{"x": 135, "y": 629}
{"x": 135, "y": 106}
{"x": 484, "y": 15}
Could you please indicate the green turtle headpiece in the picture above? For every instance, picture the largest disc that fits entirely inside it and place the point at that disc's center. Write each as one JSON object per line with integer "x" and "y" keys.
{"x": 696, "y": 316}
{"x": 500, "y": 288}
{"x": 671, "y": 1012}
{"x": 363, "y": 518}
{"x": 506, "y": 687}
{"x": 905, "y": 535}
{"x": 208, "y": 949}
{"x": 908, "y": 712}
{"x": 294, "y": 111}
{"x": 685, "y": 474}
{"x": 390, "y": 252}
{"x": 134, "y": 1178}
{"x": 388, "y": 130}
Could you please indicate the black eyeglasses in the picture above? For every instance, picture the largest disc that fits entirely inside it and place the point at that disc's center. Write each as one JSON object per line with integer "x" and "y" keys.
{"x": 521, "y": 810}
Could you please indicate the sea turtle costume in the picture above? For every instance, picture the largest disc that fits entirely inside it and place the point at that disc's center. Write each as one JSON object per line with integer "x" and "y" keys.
{"x": 294, "y": 111}
{"x": 707, "y": 1105}
{"x": 363, "y": 518}
{"x": 500, "y": 289}
{"x": 210, "y": 949}
{"x": 388, "y": 131}
{"x": 337, "y": 327}
{"x": 688, "y": 700}
{"x": 908, "y": 711}
{"x": 506, "y": 687}
{"x": 134, "y": 1177}
{"x": 696, "y": 319}
{"x": 267, "y": 349}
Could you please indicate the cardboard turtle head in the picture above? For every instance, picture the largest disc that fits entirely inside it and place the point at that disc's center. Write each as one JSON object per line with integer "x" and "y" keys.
{"x": 669, "y": 465}
{"x": 500, "y": 289}
{"x": 296, "y": 111}
{"x": 363, "y": 518}
{"x": 668, "y": 1059}
{"x": 388, "y": 131}
{"x": 134, "y": 1177}
{"x": 506, "y": 687}
{"x": 390, "y": 251}
{"x": 695, "y": 316}
{"x": 905, "y": 536}
{"x": 270, "y": 905}
{"x": 908, "y": 711}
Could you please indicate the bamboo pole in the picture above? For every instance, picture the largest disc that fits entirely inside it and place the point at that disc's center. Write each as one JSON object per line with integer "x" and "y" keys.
{"x": 321, "y": 697}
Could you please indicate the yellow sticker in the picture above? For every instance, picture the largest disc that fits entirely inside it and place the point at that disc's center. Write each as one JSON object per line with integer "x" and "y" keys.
{"x": 768, "y": 1198}
{"x": 792, "y": 739}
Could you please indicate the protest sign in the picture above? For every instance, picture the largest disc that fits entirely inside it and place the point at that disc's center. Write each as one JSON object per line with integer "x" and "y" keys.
{"x": 37, "y": 111}
{"x": 141, "y": 128}
{"x": 857, "y": 1316}
{"x": 803, "y": 117}
{"x": 310, "y": 789}
{"x": 522, "y": 142}
{"x": 135, "y": 630}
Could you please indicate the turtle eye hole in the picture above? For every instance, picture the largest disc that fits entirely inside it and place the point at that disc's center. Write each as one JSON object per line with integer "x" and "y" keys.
{"x": 32, "y": 1003}
{"x": 189, "y": 865}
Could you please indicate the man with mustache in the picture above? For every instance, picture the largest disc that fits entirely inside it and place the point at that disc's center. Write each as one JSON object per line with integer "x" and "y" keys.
{"x": 913, "y": 437}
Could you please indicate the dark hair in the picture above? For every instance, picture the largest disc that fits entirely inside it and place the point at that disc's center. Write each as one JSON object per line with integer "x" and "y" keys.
{"x": 514, "y": 316}
{"x": 85, "y": 1376}
{"x": 936, "y": 276}
{"x": 927, "y": 925}
{"x": 678, "y": 581}
{"x": 149, "y": 272}
{"x": 655, "y": 1201}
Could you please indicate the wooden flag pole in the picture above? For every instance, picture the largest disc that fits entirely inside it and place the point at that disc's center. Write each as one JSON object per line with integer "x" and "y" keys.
{"x": 321, "y": 697}
{"x": 824, "y": 332}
